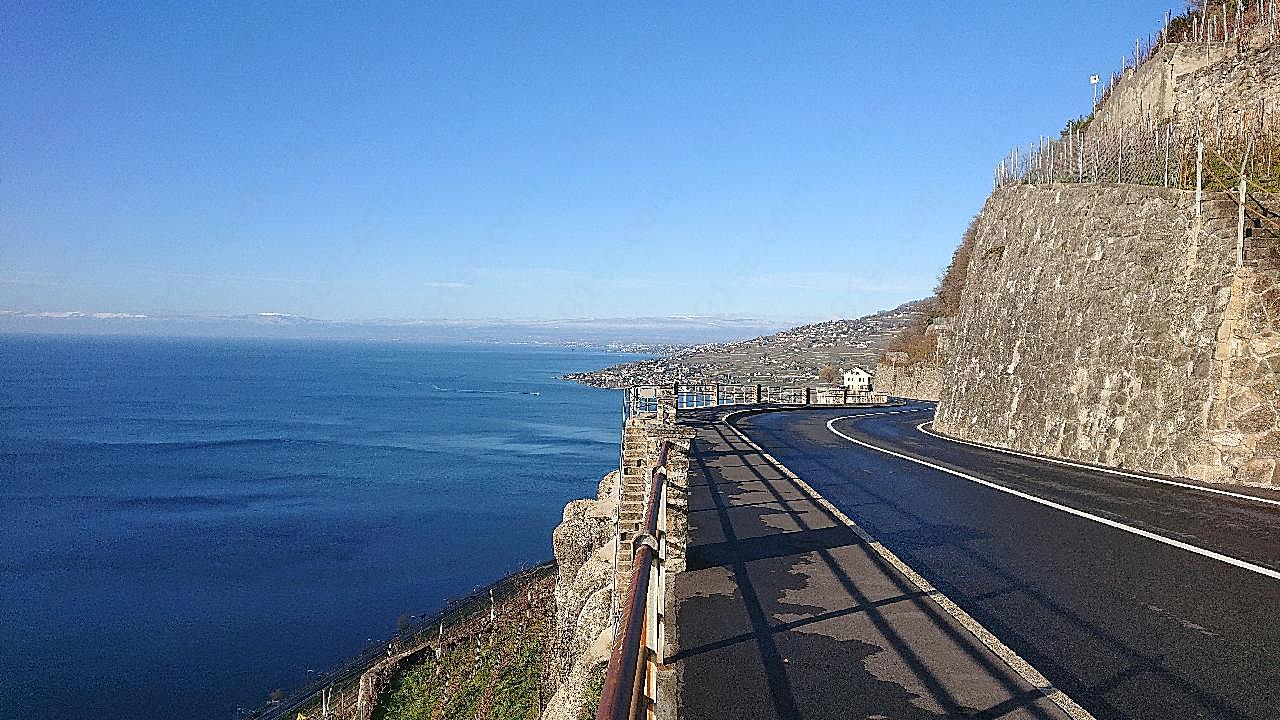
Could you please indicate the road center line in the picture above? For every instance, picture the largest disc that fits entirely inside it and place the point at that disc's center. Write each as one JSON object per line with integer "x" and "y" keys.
{"x": 1245, "y": 565}
{"x": 1110, "y": 471}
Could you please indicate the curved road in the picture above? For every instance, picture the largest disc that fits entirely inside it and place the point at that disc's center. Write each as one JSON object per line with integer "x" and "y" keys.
{"x": 1150, "y": 601}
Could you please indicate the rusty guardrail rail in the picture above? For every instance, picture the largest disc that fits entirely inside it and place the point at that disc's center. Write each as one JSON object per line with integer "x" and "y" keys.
{"x": 630, "y": 685}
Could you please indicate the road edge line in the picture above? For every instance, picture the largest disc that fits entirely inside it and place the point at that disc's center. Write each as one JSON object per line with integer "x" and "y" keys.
{"x": 1013, "y": 660}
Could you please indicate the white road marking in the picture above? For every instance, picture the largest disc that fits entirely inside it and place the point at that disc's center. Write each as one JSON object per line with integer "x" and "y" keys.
{"x": 1024, "y": 669}
{"x": 1243, "y": 564}
{"x": 1109, "y": 471}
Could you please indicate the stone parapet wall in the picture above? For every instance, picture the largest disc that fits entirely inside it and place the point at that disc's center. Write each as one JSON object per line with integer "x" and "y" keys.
{"x": 641, "y": 438}
{"x": 1111, "y": 324}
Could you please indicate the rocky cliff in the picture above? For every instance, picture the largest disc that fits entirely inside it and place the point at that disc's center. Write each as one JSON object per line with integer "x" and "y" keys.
{"x": 584, "y": 547}
{"x": 1114, "y": 325}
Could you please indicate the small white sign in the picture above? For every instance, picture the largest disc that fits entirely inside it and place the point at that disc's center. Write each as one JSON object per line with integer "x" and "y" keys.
{"x": 1093, "y": 79}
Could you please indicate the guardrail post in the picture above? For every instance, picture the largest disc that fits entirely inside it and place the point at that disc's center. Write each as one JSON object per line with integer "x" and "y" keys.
{"x": 758, "y": 389}
{"x": 666, "y": 401}
{"x": 660, "y": 614}
{"x": 808, "y": 395}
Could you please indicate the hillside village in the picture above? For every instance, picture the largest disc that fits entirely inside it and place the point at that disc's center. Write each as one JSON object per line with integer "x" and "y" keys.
{"x": 790, "y": 357}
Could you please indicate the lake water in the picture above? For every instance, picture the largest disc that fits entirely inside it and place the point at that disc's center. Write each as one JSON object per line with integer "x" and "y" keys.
{"x": 189, "y": 524}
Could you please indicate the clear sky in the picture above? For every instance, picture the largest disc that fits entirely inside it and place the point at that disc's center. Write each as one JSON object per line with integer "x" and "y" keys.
{"x": 519, "y": 160}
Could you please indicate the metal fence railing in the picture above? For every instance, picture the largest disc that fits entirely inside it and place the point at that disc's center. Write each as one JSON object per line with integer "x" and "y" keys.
{"x": 691, "y": 396}
{"x": 1205, "y": 155}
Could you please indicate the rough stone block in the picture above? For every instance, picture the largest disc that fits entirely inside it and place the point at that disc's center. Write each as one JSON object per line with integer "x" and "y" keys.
{"x": 1260, "y": 472}
{"x": 1258, "y": 420}
{"x": 1268, "y": 445}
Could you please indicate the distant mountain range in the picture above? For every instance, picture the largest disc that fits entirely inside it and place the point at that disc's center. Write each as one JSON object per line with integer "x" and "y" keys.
{"x": 645, "y": 334}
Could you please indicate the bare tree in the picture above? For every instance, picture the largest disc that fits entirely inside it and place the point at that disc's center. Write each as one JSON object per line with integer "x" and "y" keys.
{"x": 829, "y": 374}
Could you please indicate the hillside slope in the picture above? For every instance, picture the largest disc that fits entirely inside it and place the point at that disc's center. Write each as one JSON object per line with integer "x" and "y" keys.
{"x": 790, "y": 357}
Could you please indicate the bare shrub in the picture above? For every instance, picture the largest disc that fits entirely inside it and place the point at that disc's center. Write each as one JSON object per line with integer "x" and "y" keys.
{"x": 829, "y": 374}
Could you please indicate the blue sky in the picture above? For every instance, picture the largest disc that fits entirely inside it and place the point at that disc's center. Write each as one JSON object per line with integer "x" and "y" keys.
{"x": 518, "y": 160}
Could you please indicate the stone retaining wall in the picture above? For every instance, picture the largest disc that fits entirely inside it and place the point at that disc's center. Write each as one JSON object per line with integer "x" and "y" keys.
{"x": 584, "y": 551}
{"x": 922, "y": 381}
{"x": 1110, "y": 324}
{"x": 1234, "y": 86}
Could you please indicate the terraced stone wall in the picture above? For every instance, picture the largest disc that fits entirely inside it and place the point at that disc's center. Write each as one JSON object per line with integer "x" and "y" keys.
{"x": 1240, "y": 84}
{"x": 1186, "y": 81}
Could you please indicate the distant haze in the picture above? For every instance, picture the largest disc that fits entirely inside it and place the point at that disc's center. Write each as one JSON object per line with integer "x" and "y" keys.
{"x": 597, "y": 332}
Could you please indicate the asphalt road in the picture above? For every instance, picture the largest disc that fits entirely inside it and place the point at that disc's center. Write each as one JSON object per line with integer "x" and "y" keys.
{"x": 1126, "y": 625}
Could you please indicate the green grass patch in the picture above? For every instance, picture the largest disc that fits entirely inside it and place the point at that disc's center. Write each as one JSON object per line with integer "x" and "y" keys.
{"x": 499, "y": 680}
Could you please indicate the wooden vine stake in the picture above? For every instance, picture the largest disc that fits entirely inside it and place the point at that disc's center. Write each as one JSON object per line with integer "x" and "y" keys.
{"x": 1240, "y": 226}
{"x": 1199, "y": 170}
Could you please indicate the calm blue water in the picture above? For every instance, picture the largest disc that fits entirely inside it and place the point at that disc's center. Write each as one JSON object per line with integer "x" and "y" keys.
{"x": 188, "y": 524}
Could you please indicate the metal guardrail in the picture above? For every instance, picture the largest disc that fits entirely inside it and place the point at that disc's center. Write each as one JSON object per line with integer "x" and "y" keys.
{"x": 689, "y": 396}
{"x": 630, "y": 687}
